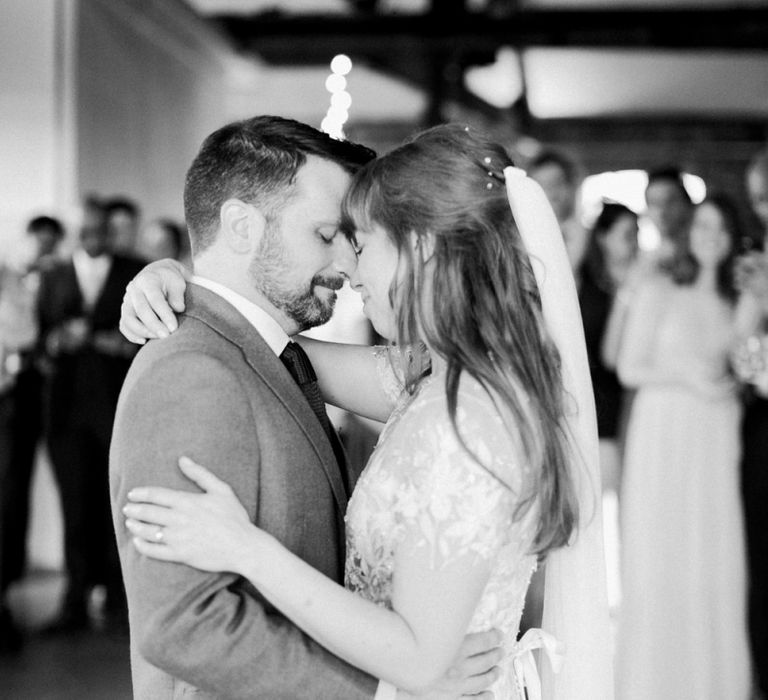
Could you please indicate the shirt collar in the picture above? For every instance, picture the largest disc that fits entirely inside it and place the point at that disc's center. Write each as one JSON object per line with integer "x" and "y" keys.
{"x": 81, "y": 259}
{"x": 268, "y": 328}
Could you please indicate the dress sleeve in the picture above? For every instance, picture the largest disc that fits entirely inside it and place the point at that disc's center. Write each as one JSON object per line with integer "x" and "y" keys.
{"x": 388, "y": 371}
{"x": 453, "y": 502}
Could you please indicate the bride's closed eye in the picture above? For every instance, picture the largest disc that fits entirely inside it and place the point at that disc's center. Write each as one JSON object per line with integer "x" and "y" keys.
{"x": 355, "y": 242}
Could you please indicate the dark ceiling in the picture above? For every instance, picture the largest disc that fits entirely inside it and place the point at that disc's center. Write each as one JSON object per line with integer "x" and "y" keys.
{"x": 432, "y": 49}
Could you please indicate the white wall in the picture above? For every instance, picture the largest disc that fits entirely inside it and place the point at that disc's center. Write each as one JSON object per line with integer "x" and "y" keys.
{"x": 152, "y": 82}
{"x": 27, "y": 112}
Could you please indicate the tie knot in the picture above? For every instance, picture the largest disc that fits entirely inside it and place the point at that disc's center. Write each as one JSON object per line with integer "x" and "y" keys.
{"x": 298, "y": 364}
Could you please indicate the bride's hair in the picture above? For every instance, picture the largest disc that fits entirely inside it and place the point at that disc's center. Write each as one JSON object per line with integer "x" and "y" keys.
{"x": 466, "y": 289}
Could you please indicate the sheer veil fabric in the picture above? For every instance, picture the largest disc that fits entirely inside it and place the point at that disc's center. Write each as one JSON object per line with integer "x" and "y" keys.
{"x": 575, "y": 597}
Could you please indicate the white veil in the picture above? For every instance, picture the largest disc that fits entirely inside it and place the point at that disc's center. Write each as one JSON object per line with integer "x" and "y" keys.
{"x": 575, "y": 595}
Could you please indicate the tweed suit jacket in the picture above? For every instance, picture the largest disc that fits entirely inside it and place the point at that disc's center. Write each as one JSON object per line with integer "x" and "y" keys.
{"x": 216, "y": 392}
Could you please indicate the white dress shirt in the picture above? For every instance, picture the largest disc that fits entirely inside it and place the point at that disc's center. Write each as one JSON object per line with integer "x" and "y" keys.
{"x": 91, "y": 274}
{"x": 277, "y": 339}
{"x": 268, "y": 328}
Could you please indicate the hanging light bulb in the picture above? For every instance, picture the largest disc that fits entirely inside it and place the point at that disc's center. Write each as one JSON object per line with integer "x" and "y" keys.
{"x": 341, "y": 100}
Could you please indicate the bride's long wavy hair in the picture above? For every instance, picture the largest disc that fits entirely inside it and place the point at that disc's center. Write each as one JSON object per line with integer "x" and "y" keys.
{"x": 465, "y": 288}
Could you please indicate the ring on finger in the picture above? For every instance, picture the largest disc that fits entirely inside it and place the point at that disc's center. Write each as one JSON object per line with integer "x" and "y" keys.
{"x": 159, "y": 535}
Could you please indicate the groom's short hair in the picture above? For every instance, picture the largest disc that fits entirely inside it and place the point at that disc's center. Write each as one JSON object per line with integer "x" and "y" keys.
{"x": 255, "y": 160}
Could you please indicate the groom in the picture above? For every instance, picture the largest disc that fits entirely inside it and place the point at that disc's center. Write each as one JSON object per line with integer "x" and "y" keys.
{"x": 261, "y": 202}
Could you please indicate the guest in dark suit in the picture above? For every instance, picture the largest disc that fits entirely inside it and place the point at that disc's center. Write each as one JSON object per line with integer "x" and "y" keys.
{"x": 19, "y": 331}
{"x": 21, "y": 403}
{"x": 79, "y": 310}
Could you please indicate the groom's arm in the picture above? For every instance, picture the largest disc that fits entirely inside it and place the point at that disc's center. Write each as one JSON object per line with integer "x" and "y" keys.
{"x": 211, "y": 630}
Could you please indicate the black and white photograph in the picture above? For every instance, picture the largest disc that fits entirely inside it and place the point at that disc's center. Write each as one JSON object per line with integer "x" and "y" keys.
{"x": 384, "y": 349}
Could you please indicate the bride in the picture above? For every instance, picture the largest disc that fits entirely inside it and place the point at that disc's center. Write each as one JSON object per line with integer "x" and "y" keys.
{"x": 487, "y": 463}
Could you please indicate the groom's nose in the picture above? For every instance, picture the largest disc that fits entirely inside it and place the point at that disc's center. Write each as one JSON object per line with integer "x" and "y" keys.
{"x": 344, "y": 258}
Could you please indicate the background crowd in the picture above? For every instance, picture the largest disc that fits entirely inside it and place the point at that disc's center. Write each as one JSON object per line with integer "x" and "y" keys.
{"x": 62, "y": 364}
{"x": 677, "y": 336}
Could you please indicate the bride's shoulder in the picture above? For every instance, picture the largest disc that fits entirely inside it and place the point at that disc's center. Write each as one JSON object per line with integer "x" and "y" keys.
{"x": 478, "y": 422}
{"x": 474, "y": 401}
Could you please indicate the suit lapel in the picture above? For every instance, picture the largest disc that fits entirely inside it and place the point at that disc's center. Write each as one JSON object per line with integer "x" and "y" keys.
{"x": 223, "y": 318}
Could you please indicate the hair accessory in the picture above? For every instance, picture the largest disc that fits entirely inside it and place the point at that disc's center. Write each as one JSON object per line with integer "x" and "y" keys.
{"x": 492, "y": 174}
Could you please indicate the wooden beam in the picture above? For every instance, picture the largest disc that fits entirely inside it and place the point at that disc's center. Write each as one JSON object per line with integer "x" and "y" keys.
{"x": 305, "y": 39}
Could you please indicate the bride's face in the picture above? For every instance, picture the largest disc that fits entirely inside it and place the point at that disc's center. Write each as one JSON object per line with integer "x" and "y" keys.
{"x": 377, "y": 260}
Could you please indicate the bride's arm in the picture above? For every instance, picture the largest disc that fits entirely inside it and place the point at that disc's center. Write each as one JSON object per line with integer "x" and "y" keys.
{"x": 348, "y": 375}
{"x": 152, "y": 299}
{"x": 352, "y": 377}
{"x": 410, "y": 646}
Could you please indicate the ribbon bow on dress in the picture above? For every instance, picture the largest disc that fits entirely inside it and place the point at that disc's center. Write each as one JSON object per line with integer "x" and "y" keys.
{"x": 524, "y": 662}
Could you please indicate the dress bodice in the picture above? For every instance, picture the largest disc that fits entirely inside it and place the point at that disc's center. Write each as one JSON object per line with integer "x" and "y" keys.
{"x": 423, "y": 484}
{"x": 693, "y": 327}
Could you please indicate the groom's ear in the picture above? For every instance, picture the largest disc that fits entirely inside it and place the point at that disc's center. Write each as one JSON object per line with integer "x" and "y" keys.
{"x": 242, "y": 225}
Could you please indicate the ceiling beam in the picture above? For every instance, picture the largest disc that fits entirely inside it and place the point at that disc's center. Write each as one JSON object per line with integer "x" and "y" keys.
{"x": 431, "y": 50}
{"x": 302, "y": 39}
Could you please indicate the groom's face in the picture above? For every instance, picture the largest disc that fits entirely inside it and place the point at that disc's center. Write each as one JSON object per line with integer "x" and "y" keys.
{"x": 303, "y": 258}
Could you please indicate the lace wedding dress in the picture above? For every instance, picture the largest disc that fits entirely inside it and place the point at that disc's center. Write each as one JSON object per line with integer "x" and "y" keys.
{"x": 421, "y": 478}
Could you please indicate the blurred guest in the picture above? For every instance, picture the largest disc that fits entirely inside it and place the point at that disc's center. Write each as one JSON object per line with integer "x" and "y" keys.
{"x": 124, "y": 221}
{"x": 79, "y": 311}
{"x": 21, "y": 385}
{"x": 10, "y": 635}
{"x": 682, "y": 624}
{"x": 558, "y": 176}
{"x": 163, "y": 238}
{"x": 751, "y": 363}
{"x": 607, "y": 266}
{"x": 669, "y": 208}
{"x": 21, "y": 363}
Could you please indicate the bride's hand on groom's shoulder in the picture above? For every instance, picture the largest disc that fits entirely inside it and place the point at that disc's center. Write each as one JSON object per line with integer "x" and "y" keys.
{"x": 210, "y": 531}
{"x": 472, "y": 672}
{"x": 152, "y": 299}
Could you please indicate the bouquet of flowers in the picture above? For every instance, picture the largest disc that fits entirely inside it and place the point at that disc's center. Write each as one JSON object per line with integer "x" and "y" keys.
{"x": 749, "y": 360}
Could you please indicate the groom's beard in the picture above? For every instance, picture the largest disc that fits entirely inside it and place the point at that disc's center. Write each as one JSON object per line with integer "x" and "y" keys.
{"x": 271, "y": 274}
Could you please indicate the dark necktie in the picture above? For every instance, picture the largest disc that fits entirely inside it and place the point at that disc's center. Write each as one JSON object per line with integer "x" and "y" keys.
{"x": 298, "y": 364}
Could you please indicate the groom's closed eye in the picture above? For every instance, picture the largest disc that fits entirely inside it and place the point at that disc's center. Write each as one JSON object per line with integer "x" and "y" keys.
{"x": 327, "y": 233}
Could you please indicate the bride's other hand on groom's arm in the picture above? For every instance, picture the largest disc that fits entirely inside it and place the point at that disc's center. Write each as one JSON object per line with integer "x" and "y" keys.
{"x": 473, "y": 671}
{"x": 152, "y": 299}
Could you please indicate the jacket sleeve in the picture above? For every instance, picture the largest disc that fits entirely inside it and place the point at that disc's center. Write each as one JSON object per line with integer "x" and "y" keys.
{"x": 212, "y": 630}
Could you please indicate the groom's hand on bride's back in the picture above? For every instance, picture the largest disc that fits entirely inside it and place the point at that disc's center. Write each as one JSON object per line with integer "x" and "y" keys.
{"x": 152, "y": 299}
{"x": 472, "y": 672}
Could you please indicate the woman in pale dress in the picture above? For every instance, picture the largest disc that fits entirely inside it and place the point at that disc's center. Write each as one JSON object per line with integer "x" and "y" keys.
{"x": 681, "y": 630}
{"x": 487, "y": 461}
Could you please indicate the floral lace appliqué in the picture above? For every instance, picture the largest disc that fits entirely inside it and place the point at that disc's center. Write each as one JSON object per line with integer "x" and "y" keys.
{"x": 421, "y": 483}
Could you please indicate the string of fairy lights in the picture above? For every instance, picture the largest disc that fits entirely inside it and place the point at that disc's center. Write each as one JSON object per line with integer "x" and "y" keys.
{"x": 341, "y": 100}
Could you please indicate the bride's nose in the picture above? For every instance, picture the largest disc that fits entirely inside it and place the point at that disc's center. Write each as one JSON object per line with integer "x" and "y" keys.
{"x": 345, "y": 260}
{"x": 354, "y": 279}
